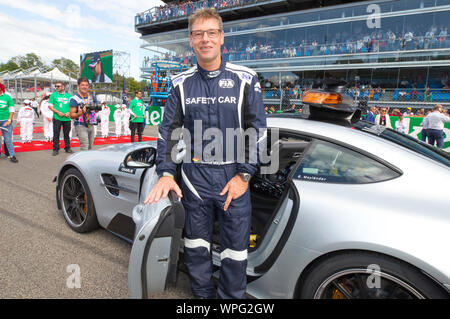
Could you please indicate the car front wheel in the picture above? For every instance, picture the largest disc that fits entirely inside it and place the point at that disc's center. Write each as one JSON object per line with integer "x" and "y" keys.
{"x": 76, "y": 202}
{"x": 367, "y": 276}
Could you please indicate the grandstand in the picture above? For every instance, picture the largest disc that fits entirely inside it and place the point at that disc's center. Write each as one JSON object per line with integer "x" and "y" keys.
{"x": 395, "y": 53}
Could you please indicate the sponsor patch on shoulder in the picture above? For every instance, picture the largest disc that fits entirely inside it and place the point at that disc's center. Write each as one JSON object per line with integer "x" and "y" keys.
{"x": 127, "y": 170}
{"x": 257, "y": 87}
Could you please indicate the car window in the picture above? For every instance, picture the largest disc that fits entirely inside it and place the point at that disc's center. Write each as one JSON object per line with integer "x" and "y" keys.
{"x": 405, "y": 140}
{"x": 330, "y": 163}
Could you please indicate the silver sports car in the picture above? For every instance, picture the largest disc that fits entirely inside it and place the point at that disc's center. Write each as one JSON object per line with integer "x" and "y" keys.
{"x": 355, "y": 210}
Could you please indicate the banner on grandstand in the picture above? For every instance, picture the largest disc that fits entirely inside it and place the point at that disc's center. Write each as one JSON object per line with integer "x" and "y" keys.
{"x": 97, "y": 67}
{"x": 154, "y": 116}
{"x": 415, "y": 129}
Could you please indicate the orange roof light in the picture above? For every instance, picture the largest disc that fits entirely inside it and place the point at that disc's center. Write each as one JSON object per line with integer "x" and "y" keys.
{"x": 315, "y": 97}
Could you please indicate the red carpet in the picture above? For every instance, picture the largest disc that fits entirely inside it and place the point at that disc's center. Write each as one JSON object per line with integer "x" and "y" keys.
{"x": 42, "y": 145}
{"x": 36, "y": 130}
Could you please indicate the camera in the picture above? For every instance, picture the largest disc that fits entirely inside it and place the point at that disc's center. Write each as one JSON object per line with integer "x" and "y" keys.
{"x": 93, "y": 107}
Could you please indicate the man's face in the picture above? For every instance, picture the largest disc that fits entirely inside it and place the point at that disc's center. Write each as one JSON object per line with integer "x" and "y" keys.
{"x": 83, "y": 87}
{"x": 139, "y": 95}
{"x": 206, "y": 45}
{"x": 59, "y": 87}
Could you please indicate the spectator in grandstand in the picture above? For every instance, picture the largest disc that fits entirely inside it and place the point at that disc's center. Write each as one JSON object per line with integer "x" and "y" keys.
{"x": 428, "y": 95}
{"x": 383, "y": 118}
{"x": 370, "y": 117}
{"x": 408, "y": 112}
{"x": 401, "y": 125}
{"x": 435, "y": 126}
{"x": 421, "y": 112}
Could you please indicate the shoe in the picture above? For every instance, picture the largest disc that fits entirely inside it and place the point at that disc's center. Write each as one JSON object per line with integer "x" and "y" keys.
{"x": 55, "y": 152}
{"x": 14, "y": 159}
{"x": 69, "y": 151}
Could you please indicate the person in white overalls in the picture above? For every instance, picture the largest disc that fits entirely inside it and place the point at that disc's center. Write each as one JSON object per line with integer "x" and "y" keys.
{"x": 118, "y": 120}
{"x": 47, "y": 116}
{"x": 126, "y": 120}
{"x": 25, "y": 119}
{"x": 104, "y": 119}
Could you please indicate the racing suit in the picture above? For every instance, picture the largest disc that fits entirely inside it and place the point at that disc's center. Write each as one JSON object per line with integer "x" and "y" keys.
{"x": 229, "y": 98}
{"x": 26, "y": 119}
{"x": 47, "y": 115}
{"x": 118, "y": 120}
{"x": 104, "y": 120}
{"x": 126, "y": 121}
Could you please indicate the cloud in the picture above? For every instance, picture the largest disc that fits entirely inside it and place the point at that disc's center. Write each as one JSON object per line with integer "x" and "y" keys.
{"x": 122, "y": 12}
{"x": 40, "y": 37}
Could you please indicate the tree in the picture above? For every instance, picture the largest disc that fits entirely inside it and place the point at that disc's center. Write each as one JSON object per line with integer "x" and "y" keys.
{"x": 28, "y": 60}
{"x": 67, "y": 66}
{"x": 8, "y": 66}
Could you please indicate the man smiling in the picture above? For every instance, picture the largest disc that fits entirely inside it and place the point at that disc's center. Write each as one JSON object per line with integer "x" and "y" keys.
{"x": 216, "y": 95}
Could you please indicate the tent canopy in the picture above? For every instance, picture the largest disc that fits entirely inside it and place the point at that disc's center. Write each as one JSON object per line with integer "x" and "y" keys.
{"x": 53, "y": 75}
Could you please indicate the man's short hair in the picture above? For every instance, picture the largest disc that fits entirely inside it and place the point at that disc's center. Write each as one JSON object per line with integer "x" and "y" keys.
{"x": 203, "y": 14}
{"x": 82, "y": 79}
{"x": 437, "y": 107}
{"x": 60, "y": 82}
{"x": 136, "y": 92}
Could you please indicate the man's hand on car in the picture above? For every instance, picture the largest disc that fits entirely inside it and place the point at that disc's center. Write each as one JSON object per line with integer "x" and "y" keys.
{"x": 161, "y": 189}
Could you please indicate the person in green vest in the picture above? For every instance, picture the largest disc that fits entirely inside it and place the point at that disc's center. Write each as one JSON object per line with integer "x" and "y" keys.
{"x": 59, "y": 104}
{"x": 137, "y": 116}
{"x": 6, "y": 116}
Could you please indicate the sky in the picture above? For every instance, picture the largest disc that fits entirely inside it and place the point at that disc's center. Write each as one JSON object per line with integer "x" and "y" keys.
{"x": 67, "y": 28}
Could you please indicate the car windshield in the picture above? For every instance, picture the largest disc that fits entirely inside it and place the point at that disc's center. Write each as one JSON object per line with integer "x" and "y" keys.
{"x": 406, "y": 141}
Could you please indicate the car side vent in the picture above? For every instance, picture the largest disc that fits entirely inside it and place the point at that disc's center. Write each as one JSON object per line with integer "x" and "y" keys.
{"x": 110, "y": 183}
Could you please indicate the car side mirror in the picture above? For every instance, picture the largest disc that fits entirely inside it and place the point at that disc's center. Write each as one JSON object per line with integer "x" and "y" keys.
{"x": 142, "y": 158}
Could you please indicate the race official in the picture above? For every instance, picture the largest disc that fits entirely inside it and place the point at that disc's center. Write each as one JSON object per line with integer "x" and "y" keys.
{"x": 216, "y": 95}
{"x": 6, "y": 127}
{"x": 126, "y": 114}
{"x": 137, "y": 116}
{"x": 59, "y": 104}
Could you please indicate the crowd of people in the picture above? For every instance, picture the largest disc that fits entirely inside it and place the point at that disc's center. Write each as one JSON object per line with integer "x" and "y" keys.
{"x": 61, "y": 111}
{"x": 175, "y": 10}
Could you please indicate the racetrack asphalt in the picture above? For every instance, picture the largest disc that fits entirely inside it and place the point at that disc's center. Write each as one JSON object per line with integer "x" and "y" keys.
{"x": 37, "y": 247}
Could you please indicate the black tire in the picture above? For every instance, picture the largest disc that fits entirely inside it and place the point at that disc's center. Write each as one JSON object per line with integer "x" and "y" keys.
{"x": 76, "y": 202}
{"x": 346, "y": 276}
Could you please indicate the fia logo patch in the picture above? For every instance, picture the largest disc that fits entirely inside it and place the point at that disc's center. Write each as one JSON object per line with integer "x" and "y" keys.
{"x": 226, "y": 83}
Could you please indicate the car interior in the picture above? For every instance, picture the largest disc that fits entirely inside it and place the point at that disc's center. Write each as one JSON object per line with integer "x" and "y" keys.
{"x": 269, "y": 190}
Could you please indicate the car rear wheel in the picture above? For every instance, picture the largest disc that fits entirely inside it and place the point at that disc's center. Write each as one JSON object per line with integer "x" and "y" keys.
{"x": 367, "y": 276}
{"x": 76, "y": 202}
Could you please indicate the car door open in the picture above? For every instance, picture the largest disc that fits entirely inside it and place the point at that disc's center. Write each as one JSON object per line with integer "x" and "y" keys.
{"x": 154, "y": 255}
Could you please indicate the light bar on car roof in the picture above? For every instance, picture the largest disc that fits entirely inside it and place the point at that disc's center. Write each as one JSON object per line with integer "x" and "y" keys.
{"x": 330, "y": 99}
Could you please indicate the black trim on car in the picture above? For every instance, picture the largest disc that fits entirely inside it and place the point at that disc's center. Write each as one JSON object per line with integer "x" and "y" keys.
{"x": 268, "y": 263}
{"x": 170, "y": 223}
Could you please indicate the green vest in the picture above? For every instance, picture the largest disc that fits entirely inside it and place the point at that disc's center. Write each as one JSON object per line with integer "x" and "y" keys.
{"x": 61, "y": 103}
{"x": 5, "y": 103}
{"x": 137, "y": 107}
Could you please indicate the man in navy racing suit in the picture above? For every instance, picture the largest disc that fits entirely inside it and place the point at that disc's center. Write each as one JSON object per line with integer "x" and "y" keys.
{"x": 224, "y": 97}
